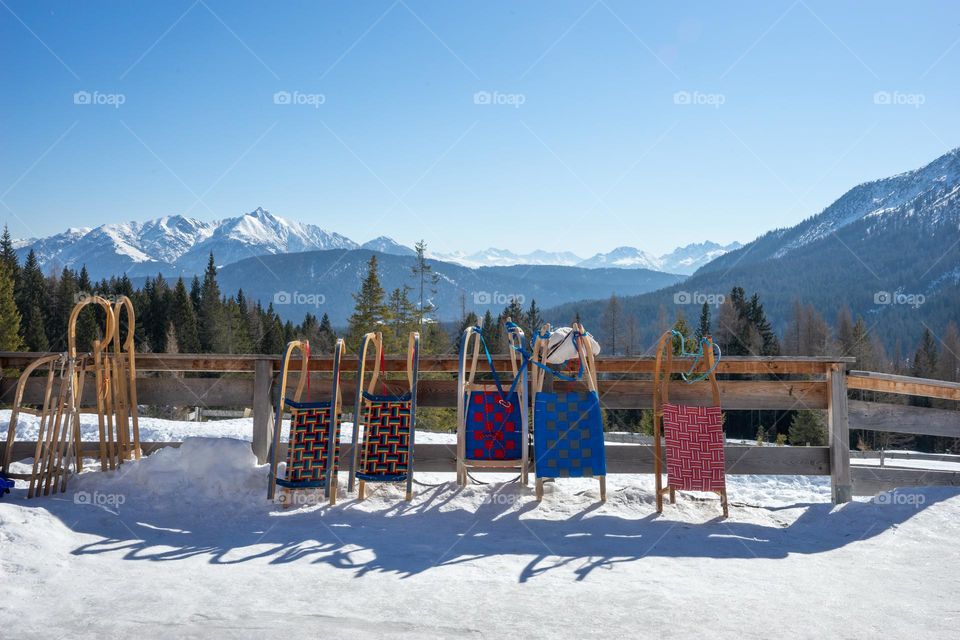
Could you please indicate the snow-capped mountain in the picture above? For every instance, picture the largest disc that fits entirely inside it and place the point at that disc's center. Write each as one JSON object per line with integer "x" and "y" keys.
{"x": 383, "y": 244}
{"x": 493, "y": 257}
{"x": 178, "y": 244}
{"x": 924, "y": 196}
{"x": 683, "y": 260}
{"x": 688, "y": 259}
{"x": 623, "y": 258}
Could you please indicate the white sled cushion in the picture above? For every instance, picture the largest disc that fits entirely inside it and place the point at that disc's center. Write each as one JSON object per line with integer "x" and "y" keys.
{"x": 560, "y": 345}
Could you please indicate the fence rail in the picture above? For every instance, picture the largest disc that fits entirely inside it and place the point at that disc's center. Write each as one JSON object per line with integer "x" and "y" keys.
{"x": 218, "y": 381}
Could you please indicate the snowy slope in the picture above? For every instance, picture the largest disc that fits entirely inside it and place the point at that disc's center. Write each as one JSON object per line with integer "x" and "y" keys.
{"x": 924, "y": 198}
{"x": 624, "y": 258}
{"x": 383, "y": 244}
{"x": 176, "y": 243}
{"x": 184, "y": 544}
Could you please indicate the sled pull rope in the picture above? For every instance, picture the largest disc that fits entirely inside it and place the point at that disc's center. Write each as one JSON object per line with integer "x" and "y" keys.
{"x": 504, "y": 397}
{"x": 574, "y": 334}
{"x": 689, "y": 377}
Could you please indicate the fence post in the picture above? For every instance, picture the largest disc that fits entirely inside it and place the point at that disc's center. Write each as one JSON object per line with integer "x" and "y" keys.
{"x": 262, "y": 409}
{"x": 839, "y": 435}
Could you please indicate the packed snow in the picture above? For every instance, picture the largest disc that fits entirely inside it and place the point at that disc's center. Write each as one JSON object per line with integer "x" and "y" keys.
{"x": 183, "y": 543}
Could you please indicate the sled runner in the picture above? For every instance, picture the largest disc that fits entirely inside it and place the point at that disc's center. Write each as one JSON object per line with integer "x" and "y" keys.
{"x": 567, "y": 425}
{"x": 313, "y": 440}
{"x": 384, "y": 450}
{"x": 693, "y": 434}
{"x": 492, "y": 430}
{"x": 54, "y": 449}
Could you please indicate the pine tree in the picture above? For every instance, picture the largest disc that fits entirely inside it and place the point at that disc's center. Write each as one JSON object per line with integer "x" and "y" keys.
{"x": 807, "y": 429}
{"x": 184, "y": 320}
{"x": 426, "y": 281}
{"x": 326, "y": 338}
{"x": 196, "y": 295}
{"x": 924, "y": 364}
{"x": 369, "y": 310}
{"x": 64, "y": 299}
{"x": 948, "y": 362}
{"x": 33, "y": 305}
{"x": 703, "y": 327}
{"x": 8, "y": 256}
{"x": 402, "y": 318}
{"x": 9, "y": 314}
{"x": 211, "y": 311}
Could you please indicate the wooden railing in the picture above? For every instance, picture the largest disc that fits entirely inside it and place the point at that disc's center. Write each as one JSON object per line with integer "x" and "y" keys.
{"x": 217, "y": 381}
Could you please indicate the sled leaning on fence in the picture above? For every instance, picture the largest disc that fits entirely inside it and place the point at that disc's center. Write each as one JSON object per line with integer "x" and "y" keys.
{"x": 383, "y": 452}
{"x": 693, "y": 434}
{"x": 59, "y": 441}
{"x": 54, "y": 449}
{"x": 567, "y": 425}
{"x": 313, "y": 440}
{"x": 492, "y": 428}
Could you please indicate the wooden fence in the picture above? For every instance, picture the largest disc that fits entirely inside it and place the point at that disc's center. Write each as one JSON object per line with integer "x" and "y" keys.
{"x": 212, "y": 381}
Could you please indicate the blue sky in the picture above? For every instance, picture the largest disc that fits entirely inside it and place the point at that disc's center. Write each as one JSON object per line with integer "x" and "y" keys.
{"x": 579, "y": 125}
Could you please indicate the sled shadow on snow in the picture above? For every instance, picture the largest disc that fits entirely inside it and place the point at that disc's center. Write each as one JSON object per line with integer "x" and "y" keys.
{"x": 436, "y": 530}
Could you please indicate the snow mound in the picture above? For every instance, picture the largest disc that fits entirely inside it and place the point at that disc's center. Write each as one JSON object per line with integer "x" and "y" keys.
{"x": 200, "y": 472}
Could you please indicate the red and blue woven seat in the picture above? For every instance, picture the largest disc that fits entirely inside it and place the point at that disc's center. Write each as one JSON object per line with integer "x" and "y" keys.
{"x": 493, "y": 426}
{"x": 385, "y": 449}
{"x": 307, "y": 450}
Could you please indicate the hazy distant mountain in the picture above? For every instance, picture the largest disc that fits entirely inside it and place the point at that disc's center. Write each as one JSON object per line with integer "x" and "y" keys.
{"x": 504, "y": 258}
{"x": 324, "y": 282}
{"x": 683, "y": 260}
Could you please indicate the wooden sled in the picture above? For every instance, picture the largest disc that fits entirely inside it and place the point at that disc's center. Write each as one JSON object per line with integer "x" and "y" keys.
{"x": 568, "y": 439}
{"x": 384, "y": 451}
{"x": 693, "y": 435}
{"x": 313, "y": 440}
{"x": 492, "y": 424}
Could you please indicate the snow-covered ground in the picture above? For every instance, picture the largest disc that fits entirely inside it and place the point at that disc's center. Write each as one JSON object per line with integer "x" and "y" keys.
{"x": 184, "y": 544}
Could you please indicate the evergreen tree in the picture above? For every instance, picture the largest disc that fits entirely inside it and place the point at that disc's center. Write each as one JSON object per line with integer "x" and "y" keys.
{"x": 924, "y": 364}
{"x": 184, "y": 320}
{"x": 33, "y": 305}
{"x": 9, "y": 314}
{"x": 64, "y": 299}
{"x": 426, "y": 281}
{"x": 948, "y": 362}
{"x": 403, "y": 316}
{"x": 326, "y": 338}
{"x": 196, "y": 295}
{"x": 532, "y": 319}
{"x": 209, "y": 319}
{"x": 703, "y": 327}
{"x": 8, "y": 256}
{"x": 369, "y": 310}
{"x": 808, "y": 429}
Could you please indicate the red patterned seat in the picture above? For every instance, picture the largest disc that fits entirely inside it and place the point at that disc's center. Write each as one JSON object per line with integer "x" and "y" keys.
{"x": 694, "y": 439}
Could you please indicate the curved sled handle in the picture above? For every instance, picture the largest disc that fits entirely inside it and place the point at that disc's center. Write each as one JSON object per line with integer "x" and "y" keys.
{"x": 101, "y": 344}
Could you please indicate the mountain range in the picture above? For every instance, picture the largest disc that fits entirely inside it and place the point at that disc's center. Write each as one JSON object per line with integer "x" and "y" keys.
{"x": 180, "y": 245}
{"x": 888, "y": 249}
